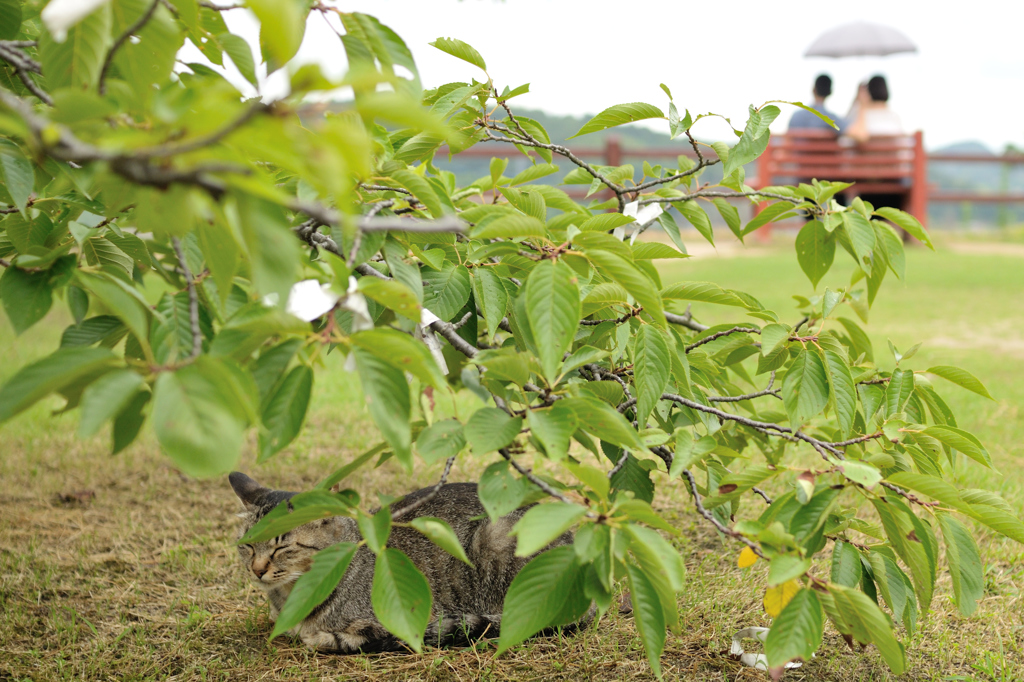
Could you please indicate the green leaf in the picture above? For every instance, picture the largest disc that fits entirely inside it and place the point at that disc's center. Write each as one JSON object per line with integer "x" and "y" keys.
{"x": 534, "y": 172}
{"x": 707, "y": 292}
{"x": 634, "y": 478}
{"x": 543, "y": 523}
{"x": 392, "y": 294}
{"x": 697, "y": 217}
{"x": 861, "y": 236}
{"x": 964, "y": 564}
{"x": 603, "y": 222}
{"x": 510, "y": 227}
{"x": 730, "y": 215}
{"x": 26, "y": 296}
{"x": 15, "y": 169}
{"x": 387, "y": 398}
{"x": 501, "y": 491}
{"x": 898, "y": 391}
{"x": 815, "y": 251}
{"x": 241, "y": 55}
{"x": 650, "y": 619}
{"x": 652, "y": 368}
{"x": 842, "y": 390}
{"x": 62, "y": 368}
{"x": 442, "y": 535}
{"x": 796, "y": 632}
{"x": 342, "y": 473}
{"x": 401, "y": 597}
{"x": 282, "y": 25}
{"x": 869, "y": 624}
{"x": 491, "y": 299}
{"x": 753, "y": 142}
{"x": 285, "y": 411}
{"x": 600, "y": 419}
{"x": 76, "y": 61}
{"x": 440, "y": 440}
{"x": 860, "y": 340}
{"x": 537, "y": 595}
{"x": 654, "y": 250}
{"x": 421, "y": 189}
{"x": 553, "y": 308}
{"x": 633, "y": 280}
{"x": 375, "y": 529}
{"x": 846, "y": 567}
{"x": 490, "y": 429}
{"x": 122, "y": 300}
{"x": 129, "y": 422}
{"x": 10, "y": 19}
{"x": 296, "y": 511}
{"x": 805, "y": 388}
{"x": 772, "y": 213}
{"x": 656, "y": 552}
{"x": 196, "y": 425}
{"x": 960, "y": 440}
{"x": 907, "y": 222}
{"x": 446, "y": 292}
{"x": 618, "y": 115}
{"x": 911, "y": 551}
{"x": 553, "y": 427}
{"x": 106, "y": 397}
{"x": 460, "y": 50}
{"x": 772, "y": 335}
{"x": 860, "y": 472}
{"x": 962, "y": 378}
{"x": 786, "y": 567}
{"x": 402, "y": 352}
{"x": 315, "y": 585}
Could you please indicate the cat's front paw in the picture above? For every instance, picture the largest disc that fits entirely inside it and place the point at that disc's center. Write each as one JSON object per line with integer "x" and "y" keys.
{"x": 334, "y": 642}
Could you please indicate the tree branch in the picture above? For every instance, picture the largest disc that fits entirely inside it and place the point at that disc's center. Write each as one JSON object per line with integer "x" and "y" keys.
{"x": 164, "y": 151}
{"x": 536, "y": 481}
{"x": 22, "y": 65}
{"x": 412, "y": 506}
{"x": 193, "y": 300}
{"x": 718, "y": 335}
{"x": 686, "y": 321}
{"x": 121, "y": 40}
{"x": 718, "y": 194}
{"x": 722, "y": 528}
{"x": 749, "y": 396}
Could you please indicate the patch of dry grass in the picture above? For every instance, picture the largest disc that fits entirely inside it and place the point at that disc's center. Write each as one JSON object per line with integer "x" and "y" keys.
{"x": 121, "y": 568}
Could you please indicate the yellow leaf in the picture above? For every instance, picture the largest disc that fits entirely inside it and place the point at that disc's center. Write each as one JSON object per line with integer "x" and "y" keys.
{"x": 747, "y": 558}
{"x": 776, "y": 598}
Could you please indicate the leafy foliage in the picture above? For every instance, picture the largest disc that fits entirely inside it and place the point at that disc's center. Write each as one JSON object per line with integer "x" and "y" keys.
{"x": 175, "y": 219}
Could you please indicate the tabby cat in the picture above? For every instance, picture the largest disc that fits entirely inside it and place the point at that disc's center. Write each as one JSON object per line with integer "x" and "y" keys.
{"x": 467, "y": 601}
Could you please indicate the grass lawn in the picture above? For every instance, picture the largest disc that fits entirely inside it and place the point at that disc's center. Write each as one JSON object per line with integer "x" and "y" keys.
{"x": 122, "y": 568}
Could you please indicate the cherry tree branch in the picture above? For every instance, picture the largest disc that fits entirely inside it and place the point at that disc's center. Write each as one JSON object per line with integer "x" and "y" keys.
{"x": 722, "y": 528}
{"x": 718, "y": 335}
{"x": 412, "y": 506}
{"x": 121, "y": 40}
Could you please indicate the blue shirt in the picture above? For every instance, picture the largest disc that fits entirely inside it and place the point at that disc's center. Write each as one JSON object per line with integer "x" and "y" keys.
{"x": 803, "y": 119}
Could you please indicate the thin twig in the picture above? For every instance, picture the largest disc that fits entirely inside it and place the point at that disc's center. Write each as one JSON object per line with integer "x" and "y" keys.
{"x": 412, "y": 506}
{"x": 722, "y": 528}
{"x": 534, "y": 480}
{"x": 718, "y": 335}
{"x": 121, "y": 40}
{"x": 166, "y": 150}
{"x": 618, "y": 465}
{"x": 686, "y": 321}
{"x": 703, "y": 193}
{"x": 193, "y": 300}
{"x": 749, "y": 396}
{"x": 617, "y": 320}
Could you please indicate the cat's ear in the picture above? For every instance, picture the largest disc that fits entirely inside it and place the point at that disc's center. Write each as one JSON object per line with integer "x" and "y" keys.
{"x": 246, "y": 488}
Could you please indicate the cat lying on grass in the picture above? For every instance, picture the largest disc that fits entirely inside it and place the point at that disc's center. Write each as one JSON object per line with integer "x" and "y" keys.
{"x": 467, "y": 600}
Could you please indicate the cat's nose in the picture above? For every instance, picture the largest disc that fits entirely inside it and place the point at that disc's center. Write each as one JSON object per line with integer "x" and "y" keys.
{"x": 260, "y": 571}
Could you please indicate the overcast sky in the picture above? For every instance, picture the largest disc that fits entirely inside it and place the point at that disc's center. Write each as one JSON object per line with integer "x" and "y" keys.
{"x": 965, "y": 83}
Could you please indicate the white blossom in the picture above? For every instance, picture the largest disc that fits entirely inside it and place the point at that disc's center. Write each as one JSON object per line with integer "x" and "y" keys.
{"x": 60, "y": 15}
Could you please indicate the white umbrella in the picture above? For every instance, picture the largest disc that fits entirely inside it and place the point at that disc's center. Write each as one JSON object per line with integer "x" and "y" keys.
{"x": 860, "y": 38}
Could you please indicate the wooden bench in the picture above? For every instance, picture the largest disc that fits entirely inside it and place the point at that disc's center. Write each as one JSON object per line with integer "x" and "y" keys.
{"x": 883, "y": 165}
